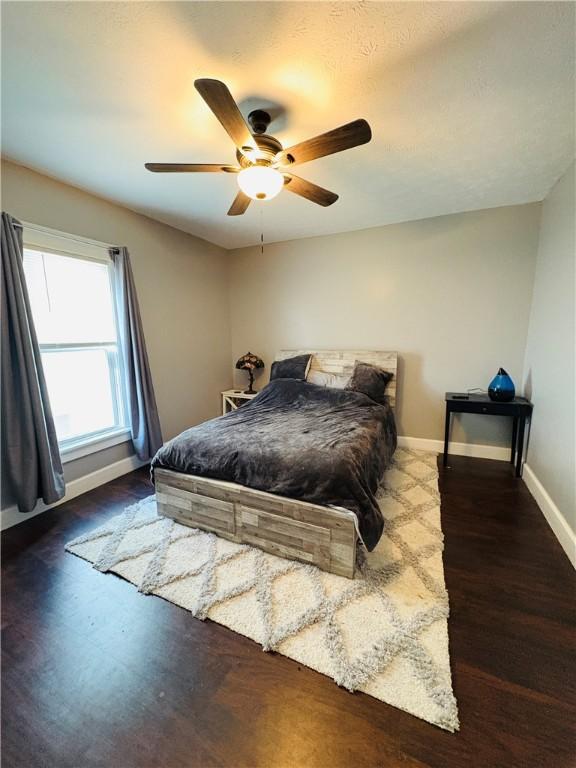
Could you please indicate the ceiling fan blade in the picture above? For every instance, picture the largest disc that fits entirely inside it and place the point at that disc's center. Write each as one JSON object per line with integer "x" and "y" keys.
{"x": 189, "y": 168}
{"x": 220, "y": 101}
{"x": 345, "y": 137}
{"x": 240, "y": 204}
{"x": 308, "y": 190}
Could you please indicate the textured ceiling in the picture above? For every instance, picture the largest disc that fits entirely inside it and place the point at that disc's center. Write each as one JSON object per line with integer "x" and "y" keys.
{"x": 470, "y": 103}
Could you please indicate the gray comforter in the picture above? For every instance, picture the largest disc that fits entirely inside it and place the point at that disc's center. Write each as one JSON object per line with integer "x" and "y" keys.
{"x": 295, "y": 439}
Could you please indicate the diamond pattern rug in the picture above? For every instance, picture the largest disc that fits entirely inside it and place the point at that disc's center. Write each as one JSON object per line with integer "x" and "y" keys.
{"x": 385, "y": 632}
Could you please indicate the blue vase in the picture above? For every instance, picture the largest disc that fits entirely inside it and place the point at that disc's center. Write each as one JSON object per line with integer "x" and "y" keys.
{"x": 501, "y": 388}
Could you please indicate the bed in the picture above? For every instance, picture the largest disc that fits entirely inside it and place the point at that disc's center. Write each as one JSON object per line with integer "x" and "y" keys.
{"x": 192, "y": 472}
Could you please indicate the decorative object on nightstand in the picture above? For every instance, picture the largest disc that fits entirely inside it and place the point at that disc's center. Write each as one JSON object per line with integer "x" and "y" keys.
{"x": 249, "y": 362}
{"x": 232, "y": 399}
{"x": 501, "y": 388}
{"x": 519, "y": 410}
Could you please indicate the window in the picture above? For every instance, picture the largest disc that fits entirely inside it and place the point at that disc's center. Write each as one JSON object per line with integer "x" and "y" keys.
{"x": 74, "y": 315}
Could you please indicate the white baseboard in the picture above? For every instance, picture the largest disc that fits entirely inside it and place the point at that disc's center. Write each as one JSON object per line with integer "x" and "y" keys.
{"x": 497, "y": 452}
{"x": 11, "y": 516}
{"x": 555, "y": 518}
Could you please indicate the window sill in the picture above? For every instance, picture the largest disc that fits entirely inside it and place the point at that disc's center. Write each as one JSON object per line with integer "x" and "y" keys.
{"x": 93, "y": 445}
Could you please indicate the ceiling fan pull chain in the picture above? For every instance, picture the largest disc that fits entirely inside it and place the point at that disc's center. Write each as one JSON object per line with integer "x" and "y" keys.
{"x": 262, "y": 229}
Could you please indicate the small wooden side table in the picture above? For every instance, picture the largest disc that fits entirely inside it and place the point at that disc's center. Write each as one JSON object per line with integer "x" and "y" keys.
{"x": 232, "y": 399}
{"x": 519, "y": 410}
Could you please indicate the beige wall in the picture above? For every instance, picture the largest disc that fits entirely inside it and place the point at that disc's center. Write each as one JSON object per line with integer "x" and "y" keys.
{"x": 549, "y": 362}
{"x": 450, "y": 294}
{"x": 182, "y": 289}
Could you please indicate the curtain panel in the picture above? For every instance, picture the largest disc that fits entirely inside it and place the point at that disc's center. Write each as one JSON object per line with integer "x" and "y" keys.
{"x": 143, "y": 412}
{"x": 30, "y": 454}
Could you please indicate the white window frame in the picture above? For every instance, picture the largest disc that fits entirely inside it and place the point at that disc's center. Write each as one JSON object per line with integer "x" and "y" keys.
{"x": 47, "y": 240}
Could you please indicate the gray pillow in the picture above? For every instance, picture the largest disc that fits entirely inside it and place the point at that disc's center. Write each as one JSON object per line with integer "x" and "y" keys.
{"x": 291, "y": 368}
{"x": 371, "y": 381}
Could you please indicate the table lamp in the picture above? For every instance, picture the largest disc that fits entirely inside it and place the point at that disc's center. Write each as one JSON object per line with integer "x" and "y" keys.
{"x": 249, "y": 362}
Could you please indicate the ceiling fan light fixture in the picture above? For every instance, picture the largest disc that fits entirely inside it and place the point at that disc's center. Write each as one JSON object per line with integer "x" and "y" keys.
{"x": 260, "y": 182}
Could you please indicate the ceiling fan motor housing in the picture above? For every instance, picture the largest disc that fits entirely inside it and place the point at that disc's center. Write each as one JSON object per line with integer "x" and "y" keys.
{"x": 268, "y": 147}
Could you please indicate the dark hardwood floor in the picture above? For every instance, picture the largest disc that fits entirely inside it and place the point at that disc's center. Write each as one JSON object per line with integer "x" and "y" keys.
{"x": 96, "y": 674}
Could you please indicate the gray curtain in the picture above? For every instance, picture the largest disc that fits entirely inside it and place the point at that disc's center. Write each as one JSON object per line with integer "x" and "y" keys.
{"x": 30, "y": 455}
{"x": 144, "y": 421}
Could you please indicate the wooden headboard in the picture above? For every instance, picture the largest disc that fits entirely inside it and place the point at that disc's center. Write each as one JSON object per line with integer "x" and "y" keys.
{"x": 342, "y": 361}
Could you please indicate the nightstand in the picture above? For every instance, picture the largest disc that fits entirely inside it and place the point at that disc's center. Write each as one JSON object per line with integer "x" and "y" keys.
{"x": 519, "y": 410}
{"x": 232, "y": 399}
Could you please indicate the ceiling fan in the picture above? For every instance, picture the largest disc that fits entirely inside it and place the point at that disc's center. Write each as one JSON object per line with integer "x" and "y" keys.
{"x": 263, "y": 168}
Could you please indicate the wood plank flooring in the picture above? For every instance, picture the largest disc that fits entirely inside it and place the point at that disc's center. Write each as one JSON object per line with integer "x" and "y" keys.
{"x": 97, "y": 675}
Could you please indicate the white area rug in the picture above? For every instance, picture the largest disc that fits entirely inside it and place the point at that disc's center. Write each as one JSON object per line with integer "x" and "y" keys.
{"x": 384, "y": 632}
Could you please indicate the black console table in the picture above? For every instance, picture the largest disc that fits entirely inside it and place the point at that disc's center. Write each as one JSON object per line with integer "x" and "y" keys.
{"x": 518, "y": 409}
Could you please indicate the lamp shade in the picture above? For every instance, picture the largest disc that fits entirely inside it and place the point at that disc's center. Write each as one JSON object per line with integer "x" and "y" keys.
{"x": 260, "y": 182}
{"x": 249, "y": 362}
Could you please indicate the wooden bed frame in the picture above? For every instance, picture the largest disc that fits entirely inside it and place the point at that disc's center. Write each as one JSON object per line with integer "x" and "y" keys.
{"x": 323, "y": 536}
